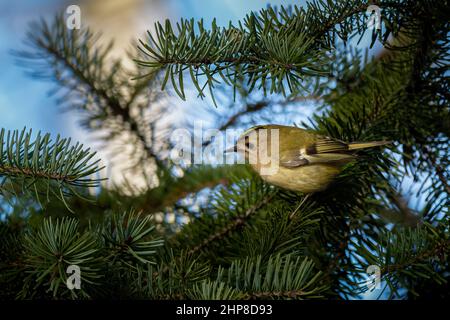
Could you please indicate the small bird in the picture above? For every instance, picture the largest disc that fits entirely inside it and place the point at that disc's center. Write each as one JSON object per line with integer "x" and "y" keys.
{"x": 304, "y": 161}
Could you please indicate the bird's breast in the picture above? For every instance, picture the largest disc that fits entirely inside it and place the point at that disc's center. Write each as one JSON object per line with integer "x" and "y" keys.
{"x": 307, "y": 179}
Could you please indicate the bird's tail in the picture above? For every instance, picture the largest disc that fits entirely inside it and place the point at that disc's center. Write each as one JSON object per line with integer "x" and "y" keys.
{"x": 362, "y": 145}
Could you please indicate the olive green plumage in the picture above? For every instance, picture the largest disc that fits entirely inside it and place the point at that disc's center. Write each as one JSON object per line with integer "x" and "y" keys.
{"x": 306, "y": 162}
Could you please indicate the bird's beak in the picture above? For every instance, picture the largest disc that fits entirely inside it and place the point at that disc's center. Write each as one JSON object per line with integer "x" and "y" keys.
{"x": 232, "y": 149}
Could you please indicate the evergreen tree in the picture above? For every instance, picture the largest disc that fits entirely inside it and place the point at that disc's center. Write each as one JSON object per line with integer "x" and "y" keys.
{"x": 245, "y": 239}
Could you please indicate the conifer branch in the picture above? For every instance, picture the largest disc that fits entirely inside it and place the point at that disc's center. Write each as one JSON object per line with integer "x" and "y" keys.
{"x": 91, "y": 81}
{"x": 58, "y": 166}
{"x": 270, "y": 48}
{"x": 194, "y": 179}
{"x": 234, "y": 224}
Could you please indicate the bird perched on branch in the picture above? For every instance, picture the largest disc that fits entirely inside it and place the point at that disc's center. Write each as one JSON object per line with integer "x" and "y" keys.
{"x": 294, "y": 158}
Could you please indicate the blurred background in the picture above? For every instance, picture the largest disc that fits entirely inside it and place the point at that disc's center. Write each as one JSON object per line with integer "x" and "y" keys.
{"x": 26, "y": 102}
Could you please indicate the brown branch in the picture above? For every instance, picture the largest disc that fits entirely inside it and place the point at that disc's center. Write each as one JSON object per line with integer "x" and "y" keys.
{"x": 35, "y": 174}
{"x": 116, "y": 108}
{"x": 250, "y": 108}
{"x": 156, "y": 202}
{"x": 239, "y": 221}
{"x": 405, "y": 215}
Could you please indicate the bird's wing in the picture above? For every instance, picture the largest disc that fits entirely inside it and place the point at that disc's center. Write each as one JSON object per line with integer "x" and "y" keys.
{"x": 323, "y": 150}
{"x": 328, "y": 145}
{"x": 292, "y": 159}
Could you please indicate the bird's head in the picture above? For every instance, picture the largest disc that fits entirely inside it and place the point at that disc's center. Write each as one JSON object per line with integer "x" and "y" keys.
{"x": 257, "y": 138}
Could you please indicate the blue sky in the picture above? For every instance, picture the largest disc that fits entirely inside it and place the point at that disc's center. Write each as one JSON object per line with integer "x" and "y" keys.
{"x": 24, "y": 102}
